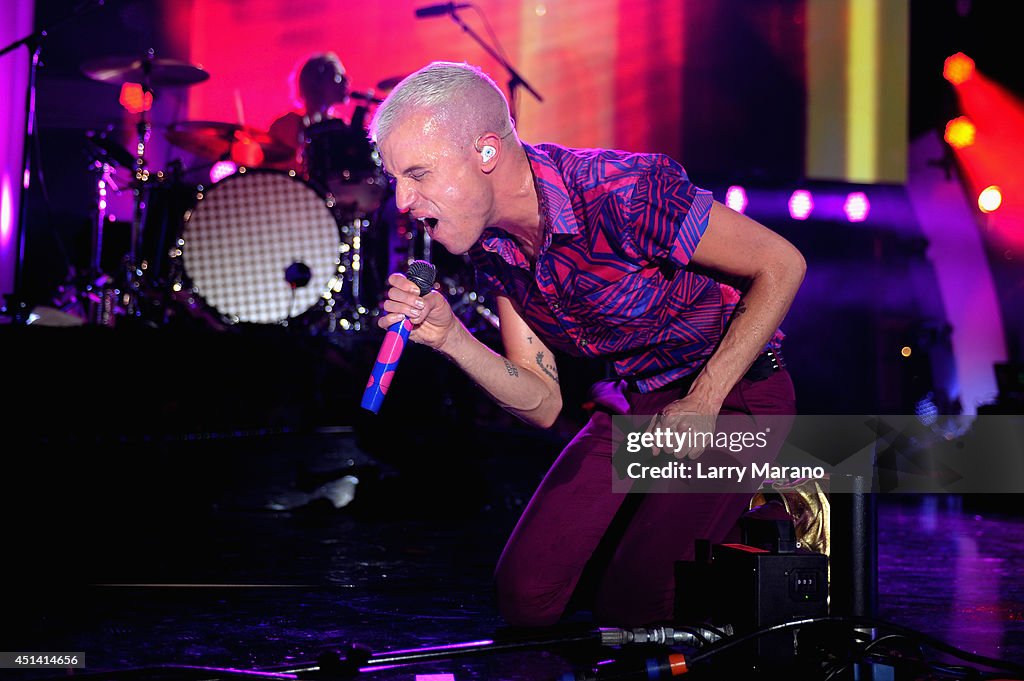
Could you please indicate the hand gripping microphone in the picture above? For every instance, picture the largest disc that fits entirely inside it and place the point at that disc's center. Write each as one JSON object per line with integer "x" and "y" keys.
{"x": 422, "y": 273}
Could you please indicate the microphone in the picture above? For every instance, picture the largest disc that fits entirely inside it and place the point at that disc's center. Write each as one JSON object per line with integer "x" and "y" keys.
{"x": 365, "y": 97}
{"x": 438, "y": 10}
{"x": 422, "y": 273}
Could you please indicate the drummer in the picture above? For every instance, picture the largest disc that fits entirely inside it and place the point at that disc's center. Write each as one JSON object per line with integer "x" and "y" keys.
{"x": 321, "y": 85}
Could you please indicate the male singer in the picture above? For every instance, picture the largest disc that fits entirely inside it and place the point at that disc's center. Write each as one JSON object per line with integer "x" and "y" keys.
{"x": 603, "y": 254}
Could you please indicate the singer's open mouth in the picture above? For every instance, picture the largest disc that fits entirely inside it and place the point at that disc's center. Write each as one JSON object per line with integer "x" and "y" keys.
{"x": 430, "y": 224}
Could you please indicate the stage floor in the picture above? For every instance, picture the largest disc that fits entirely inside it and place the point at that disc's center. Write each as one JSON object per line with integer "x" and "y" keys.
{"x": 234, "y": 584}
{"x": 198, "y": 549}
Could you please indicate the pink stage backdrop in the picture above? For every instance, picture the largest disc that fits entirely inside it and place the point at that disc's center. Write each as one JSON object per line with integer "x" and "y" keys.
{"x": 610, "y": 71}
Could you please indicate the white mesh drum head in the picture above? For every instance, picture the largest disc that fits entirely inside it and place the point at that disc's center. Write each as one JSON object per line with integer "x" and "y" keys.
{"x": 245, "y": 232}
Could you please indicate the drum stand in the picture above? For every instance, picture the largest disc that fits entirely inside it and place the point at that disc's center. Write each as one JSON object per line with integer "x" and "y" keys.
{"x": 351, "y": 307}
{"x": 98, "y": 289}
{"x": 133, "y": 266}
{"x": 468, "y": 305}
{"x": 92, "y": 295}
{"x": 346, "y": 310}
{"x": 104, "y": 297}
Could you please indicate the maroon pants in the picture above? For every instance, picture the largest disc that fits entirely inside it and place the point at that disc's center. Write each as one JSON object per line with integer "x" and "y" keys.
{"x": 626, "y": 544}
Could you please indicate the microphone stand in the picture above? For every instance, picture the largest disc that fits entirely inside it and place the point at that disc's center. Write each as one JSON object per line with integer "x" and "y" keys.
{"x": 34, "y": 43}
{"x": 515, "y": 81}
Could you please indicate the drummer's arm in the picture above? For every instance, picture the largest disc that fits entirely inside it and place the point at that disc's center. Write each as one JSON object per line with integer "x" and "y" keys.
{"x": 288, "y": 129}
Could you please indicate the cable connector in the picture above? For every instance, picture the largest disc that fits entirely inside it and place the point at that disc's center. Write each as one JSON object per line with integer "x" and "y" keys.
{"x": 691, "y": 636}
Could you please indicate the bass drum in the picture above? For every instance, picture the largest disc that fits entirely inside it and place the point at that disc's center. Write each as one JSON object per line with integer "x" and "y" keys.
{"x": 261, "y": 247}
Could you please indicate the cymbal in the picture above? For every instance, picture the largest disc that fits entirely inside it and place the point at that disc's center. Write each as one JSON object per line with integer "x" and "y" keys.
{"x": 390, "y": 83}
{"x": 214, "y": 140}
{"x": 120, "y": 70}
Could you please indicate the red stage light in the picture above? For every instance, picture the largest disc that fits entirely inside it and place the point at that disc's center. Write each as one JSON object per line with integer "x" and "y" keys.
{"x": 960, "y": 132}
{"x": 994, "y": 158}
{"x": 245, "y": 151}
{"x": 958, "y": 68}
{"x": 134, "y": 100}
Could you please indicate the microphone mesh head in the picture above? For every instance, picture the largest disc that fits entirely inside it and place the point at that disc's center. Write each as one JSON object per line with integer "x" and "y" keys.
{"x": 422, "y": 273}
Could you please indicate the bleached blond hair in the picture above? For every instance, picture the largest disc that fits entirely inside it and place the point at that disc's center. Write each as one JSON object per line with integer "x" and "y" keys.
{"x": 464, "y": 95}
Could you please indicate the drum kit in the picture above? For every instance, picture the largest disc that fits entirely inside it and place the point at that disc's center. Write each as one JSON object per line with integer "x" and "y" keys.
{"x": 303, "y": 240}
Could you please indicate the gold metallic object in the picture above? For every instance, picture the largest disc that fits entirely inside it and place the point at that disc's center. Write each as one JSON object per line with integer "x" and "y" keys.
{"x": 806, "y": 500}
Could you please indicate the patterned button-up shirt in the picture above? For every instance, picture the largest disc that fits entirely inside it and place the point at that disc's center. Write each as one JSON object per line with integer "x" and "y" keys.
{"x": 611, "y": 279}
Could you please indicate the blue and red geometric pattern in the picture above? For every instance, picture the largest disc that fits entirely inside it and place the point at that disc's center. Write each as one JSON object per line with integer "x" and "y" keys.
{"x": 611, "y": 279}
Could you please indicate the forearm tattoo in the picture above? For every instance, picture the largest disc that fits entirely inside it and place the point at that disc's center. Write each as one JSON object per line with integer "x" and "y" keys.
{"x": 548, "y": 369}
{"x": 511, "y": 369}
{"x": 741, "y": 307}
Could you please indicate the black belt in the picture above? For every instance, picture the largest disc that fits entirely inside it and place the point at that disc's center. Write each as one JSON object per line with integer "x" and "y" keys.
{"x": 766, "y": 364}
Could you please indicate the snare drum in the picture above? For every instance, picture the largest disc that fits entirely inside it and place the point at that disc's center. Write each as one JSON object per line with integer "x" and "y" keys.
{"x": 341, "y": 159}
{"x": 243, "y": 235}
